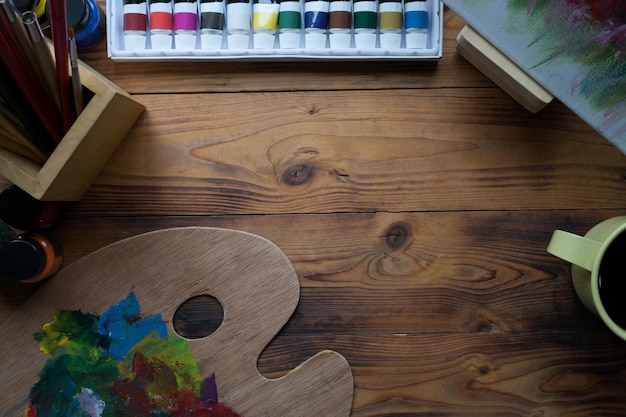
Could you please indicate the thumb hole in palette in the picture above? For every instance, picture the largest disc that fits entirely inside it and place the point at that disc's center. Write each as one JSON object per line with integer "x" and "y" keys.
{"x": 198, "y": 317}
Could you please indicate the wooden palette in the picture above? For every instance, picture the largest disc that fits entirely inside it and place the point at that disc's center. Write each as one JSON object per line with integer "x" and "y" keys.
{"x": 253, "y": 280}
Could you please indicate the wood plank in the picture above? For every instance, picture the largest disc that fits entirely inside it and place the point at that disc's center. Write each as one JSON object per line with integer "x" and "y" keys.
{"x": 552, "y": 373}
{"x": 426, "y": 368}
{"x": 460, "y": 272}
{"x": 400, "y": 150}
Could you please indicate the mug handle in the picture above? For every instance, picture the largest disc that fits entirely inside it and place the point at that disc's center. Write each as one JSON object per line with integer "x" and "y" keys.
{"x": 575, "y": 249}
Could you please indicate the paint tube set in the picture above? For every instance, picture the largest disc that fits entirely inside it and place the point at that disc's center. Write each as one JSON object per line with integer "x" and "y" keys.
{"x": 274, "y": 29}
{"x": 28, "y": 251}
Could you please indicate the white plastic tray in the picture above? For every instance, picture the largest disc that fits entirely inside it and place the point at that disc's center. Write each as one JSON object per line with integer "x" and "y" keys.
{"x": 117, "y": 50}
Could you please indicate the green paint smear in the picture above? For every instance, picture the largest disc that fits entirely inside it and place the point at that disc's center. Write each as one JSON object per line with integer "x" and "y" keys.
{"x": 86, "y": 377}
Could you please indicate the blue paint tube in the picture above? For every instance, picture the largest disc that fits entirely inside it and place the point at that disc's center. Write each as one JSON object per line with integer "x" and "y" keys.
{"x": 416, "y": 21}
{"x": 315, "y": 23}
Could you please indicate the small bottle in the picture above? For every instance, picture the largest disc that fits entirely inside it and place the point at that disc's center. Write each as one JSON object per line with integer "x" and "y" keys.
{"x": 24, "y": 212}
{"x": 87, "y": 19}
{"x": 39, "y": 8}
{"x": 6, "y": 235}
{"x": 23, "y": 5}
{"x": 31, "y": 257}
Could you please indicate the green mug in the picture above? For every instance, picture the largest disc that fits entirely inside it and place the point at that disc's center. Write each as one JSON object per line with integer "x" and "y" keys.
{"x": 598, "y": 269}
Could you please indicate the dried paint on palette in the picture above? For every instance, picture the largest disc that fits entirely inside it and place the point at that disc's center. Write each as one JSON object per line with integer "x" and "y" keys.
{"x": 119, "y": 363}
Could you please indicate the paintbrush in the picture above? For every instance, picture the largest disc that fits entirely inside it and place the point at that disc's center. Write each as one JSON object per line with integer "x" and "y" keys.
{"x": 77, "y": 87}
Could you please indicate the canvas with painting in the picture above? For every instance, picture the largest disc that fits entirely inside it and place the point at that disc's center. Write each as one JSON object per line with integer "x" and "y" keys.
{"x": 576, "y": 49}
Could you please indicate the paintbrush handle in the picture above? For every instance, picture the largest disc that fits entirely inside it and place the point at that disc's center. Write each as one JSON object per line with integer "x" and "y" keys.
{"x": 58, "y": 24}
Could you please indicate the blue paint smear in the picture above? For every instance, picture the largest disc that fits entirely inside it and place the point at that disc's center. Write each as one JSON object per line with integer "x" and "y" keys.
{"x": 125, "y": 328}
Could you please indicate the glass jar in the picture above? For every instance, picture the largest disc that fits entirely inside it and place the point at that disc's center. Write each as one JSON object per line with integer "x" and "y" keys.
{"x": 31, "y": 257}
{"x": 24, "y": 212}
{"x": 87, "y": 19}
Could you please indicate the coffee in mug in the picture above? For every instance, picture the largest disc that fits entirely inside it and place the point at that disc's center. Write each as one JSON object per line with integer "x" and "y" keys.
{"x": 612, "y": 280}
{"x": 598, "y": 269}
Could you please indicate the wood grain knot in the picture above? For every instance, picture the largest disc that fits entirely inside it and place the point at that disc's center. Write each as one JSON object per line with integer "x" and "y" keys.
{"x": 397, "y": 235}
{"x": 298, "y": 174}
{"x": 312, "y": 109}
{"x": 482, "y": 325}
{"x": 198, "y": 317}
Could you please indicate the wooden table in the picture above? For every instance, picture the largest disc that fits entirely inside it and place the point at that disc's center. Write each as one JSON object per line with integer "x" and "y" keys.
{"x": 415, "y": 201}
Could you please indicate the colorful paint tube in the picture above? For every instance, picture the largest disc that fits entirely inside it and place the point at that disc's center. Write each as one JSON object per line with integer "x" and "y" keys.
{"x": 238, "y": 23}
{"x": 185, "y": 24}
{"x": 390, "y": 23}
{"x": 315, "y": 23}
{"x": 340, "y": 23}
{"x": 416, "y": 23}
{"x": 289, "y": 24}
{"x": 135, "y": 24}
{"x": 265, "y": 23}
{"x": 365, "y": 22}
{"x": 161, "y": 24}
{"x": 211, "y": 23}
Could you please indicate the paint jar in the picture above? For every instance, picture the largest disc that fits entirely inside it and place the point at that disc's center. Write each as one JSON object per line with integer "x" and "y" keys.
{"x": 24, "y": 212}
{"x": 23, "y": 5}
{"x": 87, "y": 19}
{"x": 39, "y": 8}
{"x": 6, "y": 235}
{"x": 31, "y": 257}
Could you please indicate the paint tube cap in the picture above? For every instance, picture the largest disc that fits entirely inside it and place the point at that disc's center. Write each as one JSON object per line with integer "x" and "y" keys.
{"x": 339, "y": 40}
{"x": 289, "y": 40}
{"x": 365, "y": 40}
{"x": 185, "y": 41}
{"x": 416, "y": 40}
{"x": 390, "y": 40}
{"x": 238, "y": 41}
{"x": 315, "y": 40}
{"x": 160, "y": 41}
{"x": 264, "y": 40}
{"x": 134, "y": 42}
{"x": 22, "y": 259}
{"x": 211, "y": 41}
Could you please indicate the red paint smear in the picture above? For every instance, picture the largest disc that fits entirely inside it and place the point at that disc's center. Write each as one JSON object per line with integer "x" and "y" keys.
{"x": 218, "y": 410}
{"x": 153, "y": 389}
{"x": 31, "y": 411}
